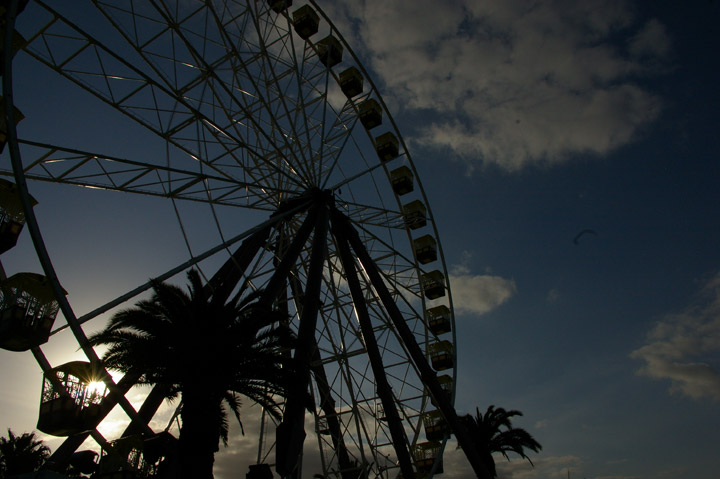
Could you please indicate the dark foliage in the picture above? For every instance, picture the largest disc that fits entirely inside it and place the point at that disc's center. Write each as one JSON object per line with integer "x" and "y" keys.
{"x": 493, "y": 432}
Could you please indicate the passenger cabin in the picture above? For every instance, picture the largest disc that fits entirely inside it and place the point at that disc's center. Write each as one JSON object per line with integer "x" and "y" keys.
{"x": 446, "y": 384}
{"x": 436, "y": 428}
{"x": 425, "y": 249}
{"x": 433, "y": 284}
{"x": 27, "y": 311}
{"x": 17, "y": 118}
{"x": 370, "y": 113}
{"x": 351, "y": 82}
{"x": 425, "y": 454}
{"x": 402, "y": 180}
{"x": 12, "y": 216}
{"x": 306, "y": 21}
{"x": 442, "y": 355}
{"x": 71, "y": 400}
{"x": 330, "y": 51}
{"x": 415, "y": 214}
{"x": 438, "y": 320}
{"x": 279, "y": 6}
{"x": 387, "y": 146}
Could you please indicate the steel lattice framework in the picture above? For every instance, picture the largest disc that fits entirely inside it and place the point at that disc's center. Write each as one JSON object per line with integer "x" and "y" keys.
{"x": 233, "y": 106}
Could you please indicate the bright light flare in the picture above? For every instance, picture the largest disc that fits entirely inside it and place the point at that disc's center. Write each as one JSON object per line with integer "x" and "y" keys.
{"x": 95, "y": 388}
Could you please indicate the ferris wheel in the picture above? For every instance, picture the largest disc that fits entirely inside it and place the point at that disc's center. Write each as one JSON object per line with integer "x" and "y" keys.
{"x": 284, "y": 172}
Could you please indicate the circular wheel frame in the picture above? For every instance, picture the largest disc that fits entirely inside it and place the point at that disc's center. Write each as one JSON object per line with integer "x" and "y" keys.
{"x": 244, "y": 122}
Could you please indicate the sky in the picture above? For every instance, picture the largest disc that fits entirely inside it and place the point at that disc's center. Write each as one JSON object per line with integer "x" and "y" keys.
{"x": 528, "y": 123}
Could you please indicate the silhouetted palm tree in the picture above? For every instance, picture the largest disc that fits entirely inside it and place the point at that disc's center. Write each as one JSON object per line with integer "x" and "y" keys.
{"x": 21, "y": 454}
{"x": 206, "y": 350}
{"x": 493, "y": 432}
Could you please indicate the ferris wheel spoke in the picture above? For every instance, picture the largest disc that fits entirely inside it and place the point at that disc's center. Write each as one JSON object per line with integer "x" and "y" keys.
{"x": 373, "y": 216}
{"x": 327, "y": 405}
{"x": 340, "y": 135}
{"x": 200, "y": 62}
{"x": 57, "y": 164}
{"x": 281, "y": 85}
{"x": 216, "y": 281}
{"x": 309, "y": 92}
{"x": 198, "y": 48}
{"x": 362, "y": 380}
{"x": 427, "y": 374}
{"x": 363, "y": 427}
{"x": 169, "y": 113}
{"x": 398, "y": 270}
{"x": 325, "y": 134}
{"x": 222, "y": 76}
{"x": 327, "y": 399}
{"x": 376, "y": 361}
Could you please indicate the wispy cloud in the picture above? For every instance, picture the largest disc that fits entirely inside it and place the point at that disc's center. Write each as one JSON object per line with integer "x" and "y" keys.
{"x": 680, "y": 347}
{"x": 513, "y": 83}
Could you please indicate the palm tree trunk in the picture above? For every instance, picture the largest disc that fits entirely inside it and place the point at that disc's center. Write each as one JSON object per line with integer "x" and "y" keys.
{"x": 199, "y": 435}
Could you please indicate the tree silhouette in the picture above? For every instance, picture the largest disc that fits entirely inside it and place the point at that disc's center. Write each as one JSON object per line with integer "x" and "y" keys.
{"x": 205, "y": 350}
{"x": 493, "y": 432}
{"x": 21, "y": 454}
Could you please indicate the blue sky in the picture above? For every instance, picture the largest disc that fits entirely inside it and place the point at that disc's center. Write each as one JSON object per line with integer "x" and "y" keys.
{"x": 528, "y": 123}
{"x": 533, "y": 121}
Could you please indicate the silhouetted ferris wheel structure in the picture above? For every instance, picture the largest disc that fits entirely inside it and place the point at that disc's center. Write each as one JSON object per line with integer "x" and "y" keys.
{"x": 243, "y": 107}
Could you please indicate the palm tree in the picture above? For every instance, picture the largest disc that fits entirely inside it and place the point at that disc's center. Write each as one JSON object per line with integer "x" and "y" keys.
{"x": 21, "y": 454}
{"x": 205, "y": 350}
{"x": 489, "y": 436}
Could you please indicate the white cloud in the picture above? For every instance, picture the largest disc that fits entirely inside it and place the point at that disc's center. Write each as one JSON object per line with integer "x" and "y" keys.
{"x": 680, "y": 347}
{"x": 479, "y": 294}
{"x": 513, "y": 83}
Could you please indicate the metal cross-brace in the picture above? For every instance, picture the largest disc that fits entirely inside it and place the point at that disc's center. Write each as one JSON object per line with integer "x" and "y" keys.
{"x": 427, "y": 374}
{"x": 397, "y": 431}
{"x": 290, "y": 432}
{"x": 327, "y": 403}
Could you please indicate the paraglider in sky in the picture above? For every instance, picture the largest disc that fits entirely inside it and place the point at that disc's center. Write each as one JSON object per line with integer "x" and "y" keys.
{"x": 576, "y": 240}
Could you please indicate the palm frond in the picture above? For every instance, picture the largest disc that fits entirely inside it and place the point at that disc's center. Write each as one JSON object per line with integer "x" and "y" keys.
{"x": 493, "y": 432}
{"x": 233, "y": 402}
{"x": 201, "y": 347}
